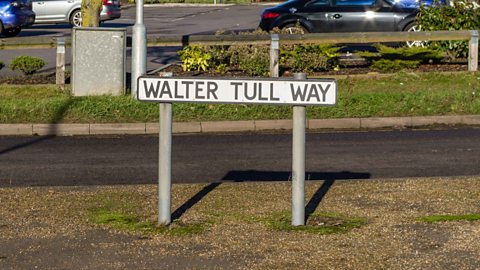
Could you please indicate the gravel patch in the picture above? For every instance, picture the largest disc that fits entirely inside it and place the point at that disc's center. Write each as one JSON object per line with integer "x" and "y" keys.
{"x": 52, "y": 227}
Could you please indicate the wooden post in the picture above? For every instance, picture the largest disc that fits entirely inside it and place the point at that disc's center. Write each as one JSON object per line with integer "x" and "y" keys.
{"x": 60, "y": 68}
{"x": 274, "y": 52}
{"x": 473, "y": 51}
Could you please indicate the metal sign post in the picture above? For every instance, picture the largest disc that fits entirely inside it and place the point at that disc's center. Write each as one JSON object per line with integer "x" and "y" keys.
{"x": 298, "y": 161}
{"x": 165, "y": 164}
{"x": 297, "y": 93}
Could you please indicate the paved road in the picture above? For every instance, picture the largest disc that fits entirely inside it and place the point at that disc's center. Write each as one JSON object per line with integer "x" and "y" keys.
{"x": 172, "y": 21}
{"x": 259, "y": 157}
{"x": 158, "y": 21}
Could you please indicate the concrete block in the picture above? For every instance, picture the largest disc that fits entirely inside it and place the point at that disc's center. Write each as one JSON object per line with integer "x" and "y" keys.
{"x": 152, "y": 128}
{"x": 15, "y": 129}
{"x": 471, "y": 119}
{"x": 177, "y": 127}
{"x": 341, "y": 123}
{"x": 132, "y": 128}
{"x": 227, "y": 126}
{"x": 273, "y": 124}
{"x": 381, "y": 122}
{"x": 61, "y": 129}
{"x": 186, "y": 127}
{"x": 432, "y": 120}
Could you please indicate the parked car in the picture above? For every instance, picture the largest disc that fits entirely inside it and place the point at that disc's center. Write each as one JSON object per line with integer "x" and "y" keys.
{"x": 15, "y": 15}
{"x": 68, "y": 11}
{"x": 302, "y": 16}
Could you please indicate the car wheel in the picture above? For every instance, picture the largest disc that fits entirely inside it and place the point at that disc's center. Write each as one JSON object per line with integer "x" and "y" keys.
{"x": 413, "y": 27}
{"x": 294, "y": 29}
{"x": 76, "y": 18}
{"x": 12, "y": 32}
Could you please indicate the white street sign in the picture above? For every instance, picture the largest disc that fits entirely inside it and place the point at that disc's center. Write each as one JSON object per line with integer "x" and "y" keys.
{"x": 256, "y": 91}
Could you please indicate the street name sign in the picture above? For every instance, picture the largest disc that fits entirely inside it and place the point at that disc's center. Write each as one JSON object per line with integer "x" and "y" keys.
{"x": 256, "y": 91}
{"x": 297, "y": 92}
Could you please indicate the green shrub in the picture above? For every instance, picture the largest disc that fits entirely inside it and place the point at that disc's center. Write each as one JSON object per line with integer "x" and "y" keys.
{"x": 251, "y": 59}
{"x": 27, "y": 64}
{"x": 220, "y": 60}
{"x": 194, "y": 58}
{"x": 423, "y": 54}
{"x": 394, "y": 59}
{"x": 2, "y": 65}
{"x": 309, "y": 58}
{"x": 461, "y": 16}
{"x": 394, "y": 65}
{"x": 254, "y": 60}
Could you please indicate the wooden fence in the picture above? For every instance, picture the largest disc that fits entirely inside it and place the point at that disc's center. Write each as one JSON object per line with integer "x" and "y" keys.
{"x": 274, "y": 40}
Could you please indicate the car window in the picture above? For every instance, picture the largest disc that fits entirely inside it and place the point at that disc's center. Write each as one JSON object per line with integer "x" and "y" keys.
{"x": 354, "y": 2}
{"x": 315, "y": 3}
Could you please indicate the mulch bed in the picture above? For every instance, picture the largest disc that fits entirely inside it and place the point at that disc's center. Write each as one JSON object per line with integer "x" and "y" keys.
{"x": 352, "y": 69}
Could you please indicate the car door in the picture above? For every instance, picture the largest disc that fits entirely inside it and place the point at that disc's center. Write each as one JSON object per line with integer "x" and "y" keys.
{"x": 52, "y": 10}
{"x": 361, "y": 16}
{"x": 314, "y": 12}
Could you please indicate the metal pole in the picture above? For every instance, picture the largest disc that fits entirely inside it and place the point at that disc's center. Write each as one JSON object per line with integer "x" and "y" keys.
{"x": 139, "y": 48}
{"x": 473, "y": 51}
{"x": 298, "y": 161}
{"x": 60, "y": 68}
{"x": 165, "y": 164}
{"x": 274, "y": 49}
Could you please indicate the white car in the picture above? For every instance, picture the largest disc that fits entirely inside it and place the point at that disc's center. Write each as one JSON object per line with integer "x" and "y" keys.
{"x": 68, "y": 11}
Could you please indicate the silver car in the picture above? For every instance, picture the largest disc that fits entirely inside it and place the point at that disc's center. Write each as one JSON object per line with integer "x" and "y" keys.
{"x": 68, "y": 11}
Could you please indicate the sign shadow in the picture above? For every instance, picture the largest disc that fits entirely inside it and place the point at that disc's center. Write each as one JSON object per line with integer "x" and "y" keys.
{"x": 329, "y": 179}
{"x": 194, "y": 200}
{"x": 253, "y": 176}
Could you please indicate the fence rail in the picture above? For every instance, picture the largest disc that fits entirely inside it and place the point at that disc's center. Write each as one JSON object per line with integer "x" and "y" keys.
{"x": 273, "y": 40}
{"x": 330, "y": 38}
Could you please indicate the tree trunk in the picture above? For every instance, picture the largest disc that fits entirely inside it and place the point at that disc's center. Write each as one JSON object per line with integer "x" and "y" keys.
{"x": 91, "y": 13}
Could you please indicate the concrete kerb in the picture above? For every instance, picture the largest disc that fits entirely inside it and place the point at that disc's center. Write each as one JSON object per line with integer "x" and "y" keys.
{"x": 236, "y": 126}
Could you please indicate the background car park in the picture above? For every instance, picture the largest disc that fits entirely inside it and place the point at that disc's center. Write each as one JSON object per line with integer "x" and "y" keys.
{"x": 68, "y": 11}
{"x": 14, "y": 15}
{"x": 300, "y": 16}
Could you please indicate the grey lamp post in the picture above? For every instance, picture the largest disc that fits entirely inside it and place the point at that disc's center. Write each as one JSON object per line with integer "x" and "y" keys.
{"x": 139, "y": 47}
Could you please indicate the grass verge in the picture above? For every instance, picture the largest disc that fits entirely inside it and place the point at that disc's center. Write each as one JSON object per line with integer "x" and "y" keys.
{"x": 444, "y": 218}
{"x": 403, "y": 94}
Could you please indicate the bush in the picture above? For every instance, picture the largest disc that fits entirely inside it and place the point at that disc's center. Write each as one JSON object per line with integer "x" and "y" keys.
{"x": 27, "y": 64}
{"x": 254, "y": 60}
{"x": 461, "y": 16}
{"x": 251, "y": 59}
{"x": 194, "y": 57}
{"x": 309, "y": 58}
{"x": 394, "y": 59}
{"x": 423, "y": 54}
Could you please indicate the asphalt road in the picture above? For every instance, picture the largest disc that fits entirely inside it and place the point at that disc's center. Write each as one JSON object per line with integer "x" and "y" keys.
{"x": 32, "y": 161}
{"x": 159, "y": 21}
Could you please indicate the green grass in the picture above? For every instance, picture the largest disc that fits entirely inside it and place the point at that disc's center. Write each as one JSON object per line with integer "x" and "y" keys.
{"x": 444, "y": 218}
{"x": 121, "y": 212}
{"x": 327, "y": 223}
{"x": 399, "y": 95}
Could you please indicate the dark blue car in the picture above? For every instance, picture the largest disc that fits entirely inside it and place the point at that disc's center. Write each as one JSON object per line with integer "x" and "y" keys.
{"x": 15, "y": 15}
